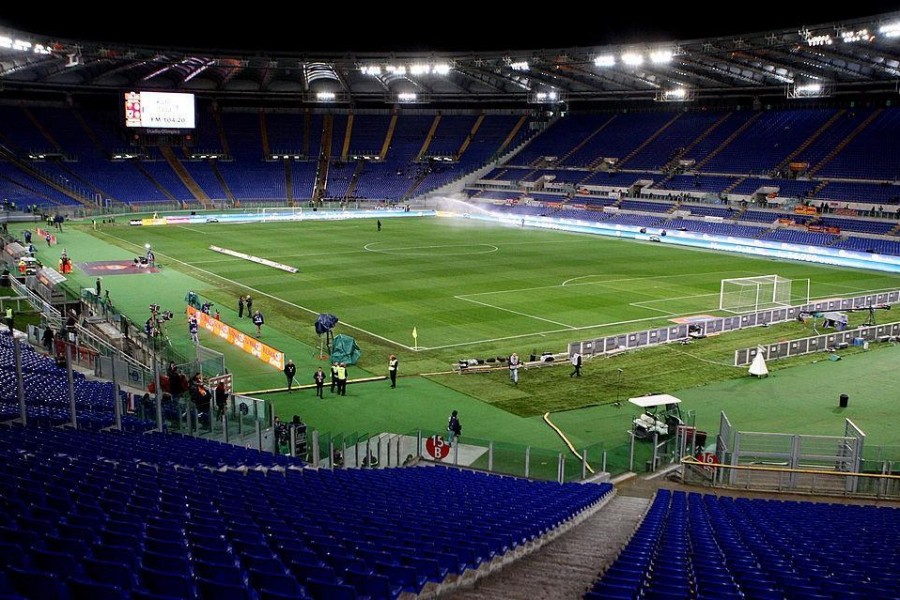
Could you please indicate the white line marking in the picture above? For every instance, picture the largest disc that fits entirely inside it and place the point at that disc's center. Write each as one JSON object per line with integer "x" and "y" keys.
{"x": 262, "y": 293}
{"x": 638, "y": 305}
{"x": 650, "y": 278}
{"x": 491, "y": 248}
{"x": 190, "y": 228}
{"x": 515, "y": 312}
{"x": 551, "y": 331}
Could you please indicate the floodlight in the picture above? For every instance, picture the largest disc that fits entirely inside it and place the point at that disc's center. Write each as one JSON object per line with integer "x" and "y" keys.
{"x": 326, "y": 96}
{"x": 661, "y": 57}
{"x": 605, "y": 60}
{"x": 850, "y": 36}
{"x": 890, "y": 30}
{"x": 441, "y": 69}
{"x": 5, "y": 41}
{"x": 811, "y": 89}
{"x": 520, "y": 65}
{"x": 419, "y": 69}
{"x": 373, "y": 70}
{"x": 21, "y": 45}
{"x": 819, "y": 40}
{"x": 406, "y": 97}
{"x": 396, "y": 69}
{"x": 676, "y": 94}
{"x": 632, "y": 59}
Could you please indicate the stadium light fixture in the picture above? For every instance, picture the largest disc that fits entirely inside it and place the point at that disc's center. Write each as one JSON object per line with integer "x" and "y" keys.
{"x": 819, "y": 40}
{"x": 419, "y": 69}
{"x": 395, "y": 69}
{"x": 519, "y": 65}
{"x": 15, "y": 43}
{"x": 326, "y": 96}
{"x": 546, "y": 97}
{"x": 850, "y": 36}
{"x": 632, "y": 59}
{"x": 810, "y": 89}
{"x": 441, "y": 69}
{"x": 676, "y": 94}
{"x": 890, "y": 30}
{"x": 661, "y": 57}
{"x": 373, "y": 70}
{"x": 605, "y": 60}
{"x": 407, "y": 97}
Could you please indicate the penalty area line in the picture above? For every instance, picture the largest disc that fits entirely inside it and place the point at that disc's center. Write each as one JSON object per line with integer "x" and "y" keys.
{"x": 515, "y": 312}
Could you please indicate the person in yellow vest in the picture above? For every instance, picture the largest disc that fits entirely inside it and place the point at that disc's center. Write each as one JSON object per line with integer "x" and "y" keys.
{"x": 9, "y": 319}
{"x": 22, "y": 267}
{"x": 342, "y": 379}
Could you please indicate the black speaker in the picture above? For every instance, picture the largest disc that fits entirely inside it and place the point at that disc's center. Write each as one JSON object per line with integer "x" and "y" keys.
{"x": 844, "y": 400}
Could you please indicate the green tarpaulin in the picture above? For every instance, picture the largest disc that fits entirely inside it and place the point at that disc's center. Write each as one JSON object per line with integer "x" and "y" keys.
{"x": 344, "y": 349}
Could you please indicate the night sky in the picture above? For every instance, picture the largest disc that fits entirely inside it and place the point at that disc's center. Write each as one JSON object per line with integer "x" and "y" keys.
{"x": 422, "y": 27}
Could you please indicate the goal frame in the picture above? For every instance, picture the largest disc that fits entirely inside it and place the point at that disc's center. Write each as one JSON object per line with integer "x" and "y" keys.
{"x": 765, "y": 292}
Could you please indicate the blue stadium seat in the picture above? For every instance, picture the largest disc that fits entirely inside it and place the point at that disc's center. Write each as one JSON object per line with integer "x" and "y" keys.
{"x": 85, "y": 589}
{"x": 332, "y": 591}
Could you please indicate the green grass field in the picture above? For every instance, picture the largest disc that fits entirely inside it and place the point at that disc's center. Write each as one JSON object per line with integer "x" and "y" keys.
{"x": 470, "y": 290}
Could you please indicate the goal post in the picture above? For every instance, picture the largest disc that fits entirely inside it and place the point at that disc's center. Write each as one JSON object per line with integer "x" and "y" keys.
{"x": 281, "y": 213}
{"x": 751, "y": 294}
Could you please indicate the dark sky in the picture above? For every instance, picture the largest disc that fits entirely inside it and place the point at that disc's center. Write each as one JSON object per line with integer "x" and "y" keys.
{"x": 459, "y": 26}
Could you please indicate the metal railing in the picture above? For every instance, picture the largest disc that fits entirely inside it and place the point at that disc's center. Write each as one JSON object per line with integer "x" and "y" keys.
{"x": 767, "y": 478}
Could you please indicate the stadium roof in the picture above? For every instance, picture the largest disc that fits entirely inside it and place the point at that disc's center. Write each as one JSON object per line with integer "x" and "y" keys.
{"x": 848, "y": 56}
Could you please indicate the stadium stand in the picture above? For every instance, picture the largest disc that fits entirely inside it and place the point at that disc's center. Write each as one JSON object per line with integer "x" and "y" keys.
{"x": 692, "y": 545}
{"x": 121, "y": 514}
{"x": 46, "y": 393}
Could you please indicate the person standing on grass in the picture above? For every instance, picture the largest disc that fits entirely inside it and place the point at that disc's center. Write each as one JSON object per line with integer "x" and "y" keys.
{"x": 514, "y": 368}
{"x": 576, "y": 362}
{"x": 392, "y": 370}
{"x": 342, "y": 379}
{"x": 249, "y": 303}
{"x": 454, "y": 428}
{"x": 240, "y": 307}
{"x": 290, "y": 369}
{"x": 319, "y": 378}
{"x": 258, "y": 321}
{"x": 334, "y": 376}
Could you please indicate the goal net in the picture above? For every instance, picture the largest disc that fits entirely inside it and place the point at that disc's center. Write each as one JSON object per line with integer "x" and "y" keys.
{"x": 281, "y": 213}
{"x": 751, "y": 294}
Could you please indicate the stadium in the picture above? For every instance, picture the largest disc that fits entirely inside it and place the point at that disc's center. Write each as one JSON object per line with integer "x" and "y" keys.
{"x": 653, "y": 280}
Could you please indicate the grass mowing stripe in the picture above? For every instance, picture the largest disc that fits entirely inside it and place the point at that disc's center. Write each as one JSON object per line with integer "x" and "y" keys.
{"x": 273, "y": 297}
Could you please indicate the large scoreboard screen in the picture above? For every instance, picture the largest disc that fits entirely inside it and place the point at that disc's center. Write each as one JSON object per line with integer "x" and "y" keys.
{"x": 159, "y": 110}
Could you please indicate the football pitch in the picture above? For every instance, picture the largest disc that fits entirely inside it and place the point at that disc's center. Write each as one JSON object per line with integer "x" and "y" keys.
{"x": 466, "y": 286}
